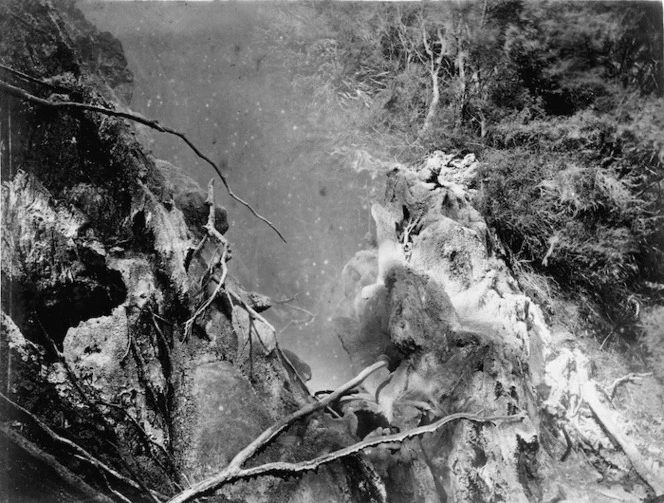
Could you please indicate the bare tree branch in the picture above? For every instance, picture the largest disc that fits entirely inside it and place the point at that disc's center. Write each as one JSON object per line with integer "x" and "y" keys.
{"x": 34, "y": 80}
{"x": 291, "y": 469}
{"x": 611, "y": 390}
{"x": 39, "y": 455}
{"x": 82, "y": 453}
{"x": 610, "y": 421}
{"x": 231, "y": 472}
{"x": 71, "y": 105}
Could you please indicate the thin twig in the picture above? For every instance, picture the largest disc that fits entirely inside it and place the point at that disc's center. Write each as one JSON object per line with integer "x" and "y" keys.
{"x": 117, "y": 494}
{"x": 153, "y": 395}
{"x": 287, "y": 300}
{"x": 161, "y": 335}
{"x": 298, "y": 376}
{"x": 71, "y": 105}
{"x": 150, "y": 441}
{"x": 224, "y": 271}
{"x": 605, "y": 339}
{"x": 42, "y": 459}
{"x": 312, "y": 316}
{"x": 195, "y": 251}
{"x": 253, "y": 314}
{"x": 251, "y": 310}
{"x": 213, "y": 233}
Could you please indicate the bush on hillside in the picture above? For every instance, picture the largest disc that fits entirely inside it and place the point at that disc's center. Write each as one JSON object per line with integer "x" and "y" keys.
{"x": 581, "y": 200}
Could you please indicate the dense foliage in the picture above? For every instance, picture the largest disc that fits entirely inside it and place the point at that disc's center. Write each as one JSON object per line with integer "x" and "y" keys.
{"x": 562, "y": 101}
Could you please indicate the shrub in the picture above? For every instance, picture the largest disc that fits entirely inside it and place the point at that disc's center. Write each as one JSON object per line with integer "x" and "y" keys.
{"x": 580, "y": 200}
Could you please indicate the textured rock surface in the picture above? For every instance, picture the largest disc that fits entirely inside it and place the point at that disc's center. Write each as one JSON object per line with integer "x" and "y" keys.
{"x": 468, "y": 339}
{"x": 100, "y": 272}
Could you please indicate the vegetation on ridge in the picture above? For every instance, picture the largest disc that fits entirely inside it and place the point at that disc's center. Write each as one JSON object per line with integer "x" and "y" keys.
{"x": 562, "y": 103}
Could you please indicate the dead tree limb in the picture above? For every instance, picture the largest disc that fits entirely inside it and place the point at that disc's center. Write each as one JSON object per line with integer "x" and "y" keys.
{"x": 234, "y": 468}
{"x": 70, "y": 479}
{"x": 72, "y": 105}
{"x": 77, "y": 449}
{"x": 608, "y": 420}
{"x": 292, "y": 469}
{"x": 611, "y": 390}
{"x": 34, "y": 80}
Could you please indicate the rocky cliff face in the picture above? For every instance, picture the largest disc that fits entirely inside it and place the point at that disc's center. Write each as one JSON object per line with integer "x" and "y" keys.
{"x": 133, "y": 367}
{"x": 102, "y": 268}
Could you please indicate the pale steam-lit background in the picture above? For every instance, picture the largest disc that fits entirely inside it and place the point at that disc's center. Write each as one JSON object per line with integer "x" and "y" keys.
{"x": 205, "y": 69}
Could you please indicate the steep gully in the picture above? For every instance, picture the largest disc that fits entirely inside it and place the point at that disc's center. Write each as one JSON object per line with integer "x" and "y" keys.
{"x": 90, "y": 210}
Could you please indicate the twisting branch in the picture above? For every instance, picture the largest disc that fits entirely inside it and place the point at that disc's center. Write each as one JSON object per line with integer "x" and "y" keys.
{"x": 296, "y": 468}
{"x": 71, "y": 105}
{"x": 291, "y": 469}
{"x": 231, "y": 472}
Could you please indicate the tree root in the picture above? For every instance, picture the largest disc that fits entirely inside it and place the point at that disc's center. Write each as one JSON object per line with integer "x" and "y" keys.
{"x": 150, "y": 442}
{"x": 72, "y": 105}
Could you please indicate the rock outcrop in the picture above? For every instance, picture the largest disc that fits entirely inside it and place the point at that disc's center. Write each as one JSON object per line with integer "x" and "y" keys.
{"x": 461, "y": 336}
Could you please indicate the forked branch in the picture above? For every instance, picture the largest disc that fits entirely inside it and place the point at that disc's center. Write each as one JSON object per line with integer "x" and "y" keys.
{"x": 234, "y": 472}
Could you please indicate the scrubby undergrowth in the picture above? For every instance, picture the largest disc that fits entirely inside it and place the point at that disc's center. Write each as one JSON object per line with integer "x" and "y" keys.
{"x": 561, "y": 103}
